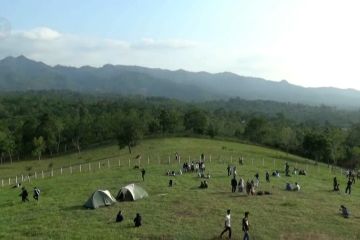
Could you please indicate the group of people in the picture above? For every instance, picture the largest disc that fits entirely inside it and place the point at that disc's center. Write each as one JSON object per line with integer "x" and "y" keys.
{"x": 137, "y": 219}
{"x": 198, "y": 166}
{"x": 245, "y": 225}
{"x": 24, "y": 194}
{"x": 204, "y": 184}
{"x": 295, "y": 187}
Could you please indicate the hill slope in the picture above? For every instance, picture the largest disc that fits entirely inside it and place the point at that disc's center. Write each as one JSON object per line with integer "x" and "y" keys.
{"x": 20, "y": 73}
{"x": 183, "y": 211}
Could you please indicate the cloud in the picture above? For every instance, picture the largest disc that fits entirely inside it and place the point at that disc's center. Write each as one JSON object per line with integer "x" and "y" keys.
{"x": 149, "y": 43}
{"x": 41, "y": 33}
{"x": 54, "y": 47}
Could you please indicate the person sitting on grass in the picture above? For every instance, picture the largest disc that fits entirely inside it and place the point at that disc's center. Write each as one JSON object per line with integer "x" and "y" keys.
{"x": 302, "y": 172}
{"x": 119, "y": 217}
{"x": 344, "y": 211}
{"x": 296, "y": 187}
{"x": 204, "y": 184}
{"x": 288, "y": 187}
{"x": 137, "y": 220}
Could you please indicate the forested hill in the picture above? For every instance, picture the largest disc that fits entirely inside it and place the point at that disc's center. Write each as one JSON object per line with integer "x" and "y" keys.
{"x": 21, "y": 73}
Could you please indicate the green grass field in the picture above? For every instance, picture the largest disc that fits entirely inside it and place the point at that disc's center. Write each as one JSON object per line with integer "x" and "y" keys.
{"x": 183, "y": 211}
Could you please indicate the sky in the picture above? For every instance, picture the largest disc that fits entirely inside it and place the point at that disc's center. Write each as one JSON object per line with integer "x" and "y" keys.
{"x": 312, "y": 43}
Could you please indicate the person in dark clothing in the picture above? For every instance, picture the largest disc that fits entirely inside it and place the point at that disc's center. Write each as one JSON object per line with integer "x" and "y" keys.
{"x": 170, "y": 183}
{"x": 24, "y": 194}
{"x": 143, "y": 174}
{"x": 344, "y": 211}
{"x": 229, "y": 170}
{"x": 119, "y": 217}
{"x": 353, "y": 179}
{"x": 36, "y": 193}
{"x": 137, "y": 220}
{"x": 257, "y": 176}
{"x": 336, "y": 185}
{"x": 233, "y": 184}
{"x": 267, "y": 176}
{"x": 348, "y": 187}
{"x": 246, "y": 226}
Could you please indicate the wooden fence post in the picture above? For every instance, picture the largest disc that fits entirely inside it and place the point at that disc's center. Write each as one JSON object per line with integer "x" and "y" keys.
{"x": 80, "y": 168}
{"x": 99, "y": 165}
{"x": 210, "y": 158}
{"x": 70, "y": 169}
{"x": 52, "y": 172}
{"x": 148, "y": 160}
{"x": 61, "y": 171}
{"x": 42, "y": 173}
{"x": 89, "y": 167}
{"x": 108, "y": 163}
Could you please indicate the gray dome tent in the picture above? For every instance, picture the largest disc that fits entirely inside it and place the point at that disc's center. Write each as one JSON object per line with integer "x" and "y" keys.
{"x": 100, "y": 198}
{"x": 131, "y": 192}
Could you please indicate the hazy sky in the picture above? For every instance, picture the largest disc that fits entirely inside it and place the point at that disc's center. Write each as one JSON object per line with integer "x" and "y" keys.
{"x": 307, "y": 42}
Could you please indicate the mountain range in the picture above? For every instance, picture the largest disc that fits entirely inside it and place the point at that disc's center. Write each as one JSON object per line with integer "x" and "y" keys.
{"x": 22, "y": 74}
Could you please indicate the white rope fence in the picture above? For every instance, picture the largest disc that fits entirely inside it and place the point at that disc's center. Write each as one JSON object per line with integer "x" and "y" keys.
{"x": 118, "y": 162}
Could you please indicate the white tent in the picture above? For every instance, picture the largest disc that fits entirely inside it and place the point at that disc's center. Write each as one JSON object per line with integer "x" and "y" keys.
{"x": 131, "y": 192}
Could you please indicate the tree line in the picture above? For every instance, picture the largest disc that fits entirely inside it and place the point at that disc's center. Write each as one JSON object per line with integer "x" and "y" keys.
{"x": 34, "y": 124}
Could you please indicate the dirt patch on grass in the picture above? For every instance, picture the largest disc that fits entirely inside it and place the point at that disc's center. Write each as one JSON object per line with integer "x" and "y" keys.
{"x": 305, "y": 236}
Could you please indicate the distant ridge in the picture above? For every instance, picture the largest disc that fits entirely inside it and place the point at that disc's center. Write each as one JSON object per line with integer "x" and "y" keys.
{"x": 22, "y": 74}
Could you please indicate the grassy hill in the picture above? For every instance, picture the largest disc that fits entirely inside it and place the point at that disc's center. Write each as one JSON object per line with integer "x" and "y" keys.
{"x": 183, "y": 211}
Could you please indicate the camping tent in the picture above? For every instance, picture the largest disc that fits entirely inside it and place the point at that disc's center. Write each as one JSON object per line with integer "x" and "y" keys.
{"x": 131, "y": 192}
{"x": 100, "y": 198}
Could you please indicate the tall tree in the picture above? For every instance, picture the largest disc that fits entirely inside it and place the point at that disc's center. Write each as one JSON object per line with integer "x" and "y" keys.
{"x": 39, "y": 146}
{"x": 130, "y": 132}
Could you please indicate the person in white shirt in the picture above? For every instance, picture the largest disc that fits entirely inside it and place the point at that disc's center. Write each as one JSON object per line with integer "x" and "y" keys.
{"x": 227, "y": 224}
{"x": 296, "y": 187}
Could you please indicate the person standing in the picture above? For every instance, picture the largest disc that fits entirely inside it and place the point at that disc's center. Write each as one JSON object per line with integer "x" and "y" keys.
{"x": 246, "y": 226}
{"x": 143, "y": 174}
{"x": 267, "y": 176}
{"x": 348, "y": 187}
{"x": 227, "y": 225}
{"x": 233, "y": 184}
{"x": 36, "y": 193}
{"x": 229, "y": 170}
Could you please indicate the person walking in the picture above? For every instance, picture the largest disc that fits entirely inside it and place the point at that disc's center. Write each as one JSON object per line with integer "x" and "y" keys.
{"x": 246, "y": 226}
{"x": 348, "y": 187}
{"x": 227, "y": 225}
{"x": 143, "y": 174}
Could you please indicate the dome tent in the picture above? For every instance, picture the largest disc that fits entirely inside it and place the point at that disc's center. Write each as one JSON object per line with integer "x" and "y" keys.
{"x": 100, "y": 198}
{"x": 131, "y": 192}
